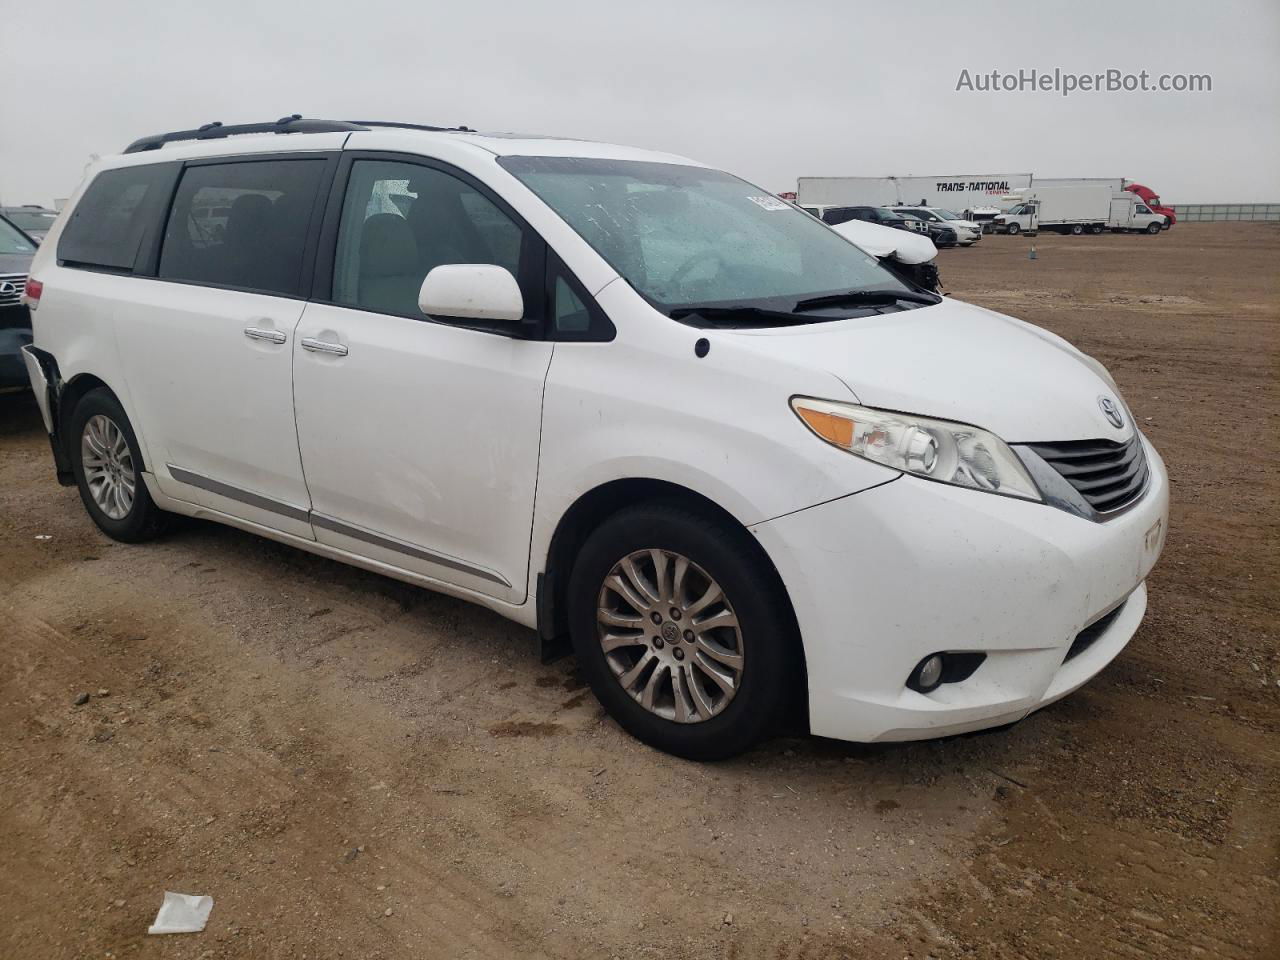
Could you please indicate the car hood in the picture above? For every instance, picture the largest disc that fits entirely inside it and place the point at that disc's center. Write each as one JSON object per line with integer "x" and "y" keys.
{"x": 15, "y": 262}
{"x": 903, "y": 245}
{"x": 956, "y": 361}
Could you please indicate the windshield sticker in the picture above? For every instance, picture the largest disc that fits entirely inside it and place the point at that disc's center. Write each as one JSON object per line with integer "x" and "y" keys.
{"x": 768, "y": 203}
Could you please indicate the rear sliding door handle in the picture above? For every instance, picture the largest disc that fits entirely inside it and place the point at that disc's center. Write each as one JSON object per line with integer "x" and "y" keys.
{"x": 324, "y": 346}
{"x": 262, "y": 333}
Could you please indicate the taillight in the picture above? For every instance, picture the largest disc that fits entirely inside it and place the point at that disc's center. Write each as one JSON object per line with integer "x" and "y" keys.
{"x": 31, "y": 297}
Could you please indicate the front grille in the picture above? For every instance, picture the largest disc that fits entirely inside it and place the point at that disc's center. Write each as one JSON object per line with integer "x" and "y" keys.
{"x": 1086, "y": 637}
{"x": 11, "y": 287}
{"x": 1107, "y": 474}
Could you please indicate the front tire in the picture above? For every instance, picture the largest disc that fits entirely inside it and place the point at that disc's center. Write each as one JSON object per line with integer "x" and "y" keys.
{"x": 1012, "y": 229}
{"x": 1153, "y": 228}
{"x": 108, "y": 470}
{"x": 683, "y": 631}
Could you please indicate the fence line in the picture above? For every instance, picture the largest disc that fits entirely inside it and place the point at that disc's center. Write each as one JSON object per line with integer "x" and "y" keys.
{"x": 1193, "y": 212}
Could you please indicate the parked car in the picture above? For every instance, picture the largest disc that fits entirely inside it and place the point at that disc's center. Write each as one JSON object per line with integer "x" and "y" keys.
{"x": 877, "y": 215}
{"x": 942, "y": 235}
{"x": 613, "y": 395}
{"x": 33, "y": 220}
{"x": 907, "y": 255}
{"x": 967, "y": 232}
{"x": 16, "y": 251}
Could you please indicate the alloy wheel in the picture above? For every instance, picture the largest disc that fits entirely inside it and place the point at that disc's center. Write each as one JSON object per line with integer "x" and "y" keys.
{"x": 670, "y": 636}
{"x": 108, "y": 466}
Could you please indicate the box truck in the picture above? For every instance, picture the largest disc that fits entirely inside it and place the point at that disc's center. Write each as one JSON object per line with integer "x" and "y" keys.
{"x": 1067, "y": 209}
{"x": 1145, "y": 194}
{"x": 1130, "y": 213}
{"x": 1077, "y": 209}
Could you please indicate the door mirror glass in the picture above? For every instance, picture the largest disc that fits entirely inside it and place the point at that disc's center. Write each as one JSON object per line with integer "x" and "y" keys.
{"x": 471, "y": 291}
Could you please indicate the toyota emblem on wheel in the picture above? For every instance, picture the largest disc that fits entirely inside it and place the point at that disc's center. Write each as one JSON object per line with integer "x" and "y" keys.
{"x": 1111, "y": 410}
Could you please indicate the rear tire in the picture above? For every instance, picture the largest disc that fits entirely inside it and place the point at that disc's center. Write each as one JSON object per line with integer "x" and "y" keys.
{"x": 648, "y": 648}
{"x": 1096, "y": 228}
{"x": 108, "y": 469}
{"x": 1077, "y": 230}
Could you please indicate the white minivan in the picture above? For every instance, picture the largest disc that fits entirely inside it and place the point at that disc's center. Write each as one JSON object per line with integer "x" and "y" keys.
{"x": 617, "y": 396}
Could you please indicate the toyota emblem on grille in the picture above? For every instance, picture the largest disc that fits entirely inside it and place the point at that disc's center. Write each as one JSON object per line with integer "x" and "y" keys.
{"x": 7, "y": 288}
{"x": 1111, "y": 410}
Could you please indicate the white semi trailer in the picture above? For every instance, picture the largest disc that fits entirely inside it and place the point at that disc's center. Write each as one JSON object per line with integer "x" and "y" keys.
{"x": 1115, "y": 183}
{"x": 956, "y": 193}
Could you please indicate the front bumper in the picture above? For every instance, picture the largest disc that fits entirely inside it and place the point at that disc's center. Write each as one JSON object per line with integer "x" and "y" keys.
{"x": 881, "y": 579}
{"x": 15, "y": 333}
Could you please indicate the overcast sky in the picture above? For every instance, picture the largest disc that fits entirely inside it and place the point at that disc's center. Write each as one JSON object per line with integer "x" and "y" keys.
{"x": 768, "y": 90}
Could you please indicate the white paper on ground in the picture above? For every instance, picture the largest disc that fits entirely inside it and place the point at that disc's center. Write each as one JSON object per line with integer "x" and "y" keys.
{"x": 181, "y": 913}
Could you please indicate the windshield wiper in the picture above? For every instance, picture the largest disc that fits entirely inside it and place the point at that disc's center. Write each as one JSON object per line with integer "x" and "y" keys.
{"x": 735, "y": 315}
{"x": 870, "y": 297}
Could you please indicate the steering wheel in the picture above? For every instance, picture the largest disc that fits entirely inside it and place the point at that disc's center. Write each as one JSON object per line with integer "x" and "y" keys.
{"x": 705, "y": 256}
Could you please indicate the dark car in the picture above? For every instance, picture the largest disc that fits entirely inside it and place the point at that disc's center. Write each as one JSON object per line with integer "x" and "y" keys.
{"x": 16, "y": 251}
{"x": 939, "y": 232}
{"x": 881, "y": 215}
{"x": 33, "y": 220}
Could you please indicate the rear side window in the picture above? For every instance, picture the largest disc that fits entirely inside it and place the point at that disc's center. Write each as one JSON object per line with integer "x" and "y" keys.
{"x": 115, "y": 215}
{"x": 242, "y": 225}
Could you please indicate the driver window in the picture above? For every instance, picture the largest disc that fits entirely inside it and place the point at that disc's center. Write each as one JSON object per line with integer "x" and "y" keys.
{"x": 401, "y": 220}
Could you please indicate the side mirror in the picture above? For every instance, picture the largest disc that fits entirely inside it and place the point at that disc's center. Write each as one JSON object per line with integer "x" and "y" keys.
{"x": 473, "y": 291}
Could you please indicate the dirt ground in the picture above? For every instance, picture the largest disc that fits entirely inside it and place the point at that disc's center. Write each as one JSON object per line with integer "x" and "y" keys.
{"x": 355, "y": 768}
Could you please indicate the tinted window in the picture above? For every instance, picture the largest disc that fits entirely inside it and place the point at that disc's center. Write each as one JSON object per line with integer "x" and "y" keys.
{"x": 242, "y": 225}
{"x": 12, "y": 240}
{"x": 36, "y": 220}
{"x": 112, "y": 219}
{"x": 569, "y": 313}
{"x": 401, "y": 220}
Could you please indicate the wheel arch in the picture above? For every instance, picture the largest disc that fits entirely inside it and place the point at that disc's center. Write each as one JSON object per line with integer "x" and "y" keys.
{"x": 70, "y": 393}
{"x": 597, "y": 505}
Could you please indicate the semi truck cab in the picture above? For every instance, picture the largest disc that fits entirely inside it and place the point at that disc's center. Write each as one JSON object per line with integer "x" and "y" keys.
{"x": 1152, "y": 200}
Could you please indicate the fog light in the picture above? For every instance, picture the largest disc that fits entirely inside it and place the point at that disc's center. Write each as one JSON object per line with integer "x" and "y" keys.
{"x": 939, "y": 668}
{"x": 929, "y": 674}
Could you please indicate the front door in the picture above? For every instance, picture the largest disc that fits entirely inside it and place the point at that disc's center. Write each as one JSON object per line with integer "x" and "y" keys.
{"x": 207, "y": 345}
{"x": 419, "y": 436}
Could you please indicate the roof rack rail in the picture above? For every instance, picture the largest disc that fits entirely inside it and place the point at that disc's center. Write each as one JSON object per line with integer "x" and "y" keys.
{"x": 217, "y": 130}
{"x": 411, "y": 126}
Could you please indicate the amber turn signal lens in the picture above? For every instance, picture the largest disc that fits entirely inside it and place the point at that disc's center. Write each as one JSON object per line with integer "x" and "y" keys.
{"x": 832, "y": 428}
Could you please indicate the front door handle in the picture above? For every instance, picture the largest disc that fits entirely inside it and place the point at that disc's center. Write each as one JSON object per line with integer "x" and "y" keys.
{"x": 324, "y": 346}
{"x": 263, "y": 333}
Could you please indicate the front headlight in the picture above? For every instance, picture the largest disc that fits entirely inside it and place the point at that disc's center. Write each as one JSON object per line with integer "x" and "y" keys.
{"x": 940, "y": 450}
